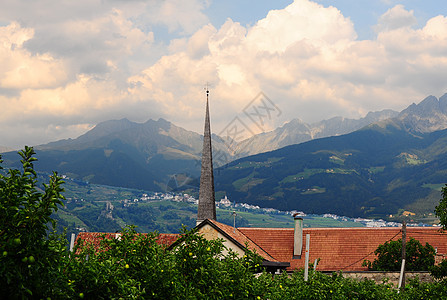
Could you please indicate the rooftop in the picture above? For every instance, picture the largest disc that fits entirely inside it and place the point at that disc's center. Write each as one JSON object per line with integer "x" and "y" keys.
{"x": 337, "y": 248}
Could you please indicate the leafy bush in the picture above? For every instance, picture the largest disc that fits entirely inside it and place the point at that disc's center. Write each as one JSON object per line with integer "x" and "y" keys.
{"x": 30, "y": 261}
{"x": 389, "y": 256}
{"x": 439, "y": 271}
{"x": 134, "y": 266}
{"x": 441, "y": 209}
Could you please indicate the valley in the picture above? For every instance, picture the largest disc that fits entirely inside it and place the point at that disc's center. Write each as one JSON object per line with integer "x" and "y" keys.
{"x": 379, "y": 166}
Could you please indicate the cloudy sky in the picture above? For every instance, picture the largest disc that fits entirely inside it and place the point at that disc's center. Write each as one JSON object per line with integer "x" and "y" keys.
{"x": 68, "y": 65}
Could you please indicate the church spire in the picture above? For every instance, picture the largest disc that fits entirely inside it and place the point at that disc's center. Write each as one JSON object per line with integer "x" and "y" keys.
{"x": 207, "y": 206}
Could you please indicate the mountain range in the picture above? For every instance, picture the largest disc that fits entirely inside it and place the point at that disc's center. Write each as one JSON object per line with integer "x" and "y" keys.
{"x": 373, "y": 172}
{"x": 5, "y": 149}
{"x": 297, "y": 131}
{"x": 160, "y": 156}
{"x": 427, "y": 116}
{"x": 386, "y": 167}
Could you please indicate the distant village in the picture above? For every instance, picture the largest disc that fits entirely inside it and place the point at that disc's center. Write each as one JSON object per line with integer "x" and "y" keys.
{"x": 226, "y": 203}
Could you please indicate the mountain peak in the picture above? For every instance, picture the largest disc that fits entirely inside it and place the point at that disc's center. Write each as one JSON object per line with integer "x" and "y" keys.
{"x": 159, "y": 124}
{"x": 430, "y": 100}
{"x": 377, "y": 116}
{"x": 427, "y": 116}
{"x": 426, "y": 106}
{"x": 164, "y": 124}
{"x": 108, "y": 127}
{"x": 443, "y": 103}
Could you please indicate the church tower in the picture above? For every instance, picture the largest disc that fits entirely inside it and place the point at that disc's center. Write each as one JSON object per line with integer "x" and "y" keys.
{"x": 207, "y": 205}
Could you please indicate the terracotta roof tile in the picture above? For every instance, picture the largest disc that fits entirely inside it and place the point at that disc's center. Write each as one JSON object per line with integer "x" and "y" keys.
{"x": 95, "y": 238}
{"x": 167, "y": 239}
{"x": 338, "y": 248}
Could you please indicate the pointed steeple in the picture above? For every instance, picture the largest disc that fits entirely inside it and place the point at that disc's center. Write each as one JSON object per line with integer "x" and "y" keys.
{"x": 207, "y": 206}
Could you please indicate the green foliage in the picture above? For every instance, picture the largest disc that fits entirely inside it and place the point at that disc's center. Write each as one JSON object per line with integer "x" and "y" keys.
{"x": 321, "y": 286}
{"x": 439, "y": 271}
{"x": 135, "y": 266}
{"x": 441, "y": 209}
{"x": 119, "y": 267}
{"x": 31, "y": 259}
{"x": 389, "y": 256}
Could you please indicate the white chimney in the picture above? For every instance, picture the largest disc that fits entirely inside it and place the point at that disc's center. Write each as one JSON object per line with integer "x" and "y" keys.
{"x": 298, "y": 236}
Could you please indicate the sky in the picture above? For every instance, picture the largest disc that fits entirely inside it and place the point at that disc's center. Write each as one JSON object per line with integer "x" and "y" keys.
{"x": 68, "y": 65}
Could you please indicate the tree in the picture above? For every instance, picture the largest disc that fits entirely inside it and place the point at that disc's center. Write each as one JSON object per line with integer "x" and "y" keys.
{"x": 136, "y": 266}
{"x": 30, "y": 255}
{"x": 441, "y": 209}
{"x": 389, "y": 256}
{"x": 440, "y": 271}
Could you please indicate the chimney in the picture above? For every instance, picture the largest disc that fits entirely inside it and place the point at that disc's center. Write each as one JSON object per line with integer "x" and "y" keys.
{"x": 298, "y": 236}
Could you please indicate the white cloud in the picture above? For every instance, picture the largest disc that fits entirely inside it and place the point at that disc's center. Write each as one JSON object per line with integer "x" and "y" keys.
{"x": 20, "y": 68}
{"x": 436, "y": 28}
{"x": 179, "y": 15}
{"x": 197, "y": 45}
{"x": 32, "y": 134}
{"x": 306, "y": 58}
{"x": 104, "y": 61}
{"x": 301, "y": 21}
{"x": 395, "y": 18}
{"x": 281, "y": 51}
{"x": 67, "y": 63}
{"x": 94, "y": 46}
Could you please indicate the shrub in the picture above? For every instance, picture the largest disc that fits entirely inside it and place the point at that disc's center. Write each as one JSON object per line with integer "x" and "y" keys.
{"x": 134, "y": 266}
{"x": 389, "y": 256}
{"x": 31, "y": 260}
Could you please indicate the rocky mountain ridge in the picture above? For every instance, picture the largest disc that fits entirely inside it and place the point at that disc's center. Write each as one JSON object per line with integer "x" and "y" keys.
{"x": 159, "y": 156}
{"x": 427, "y": 116}
{"x": 297, "y": 131}
{"x": 377, "y": 171}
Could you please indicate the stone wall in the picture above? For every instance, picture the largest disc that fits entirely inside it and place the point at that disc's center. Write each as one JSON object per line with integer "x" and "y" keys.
{"x": 393, "y": 277}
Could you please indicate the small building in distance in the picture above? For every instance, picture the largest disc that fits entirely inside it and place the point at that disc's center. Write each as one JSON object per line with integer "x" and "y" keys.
{"x": 225, "y": 201}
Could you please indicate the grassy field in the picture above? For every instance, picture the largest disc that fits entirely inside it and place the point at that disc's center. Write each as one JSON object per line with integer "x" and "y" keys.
{"x": 437, "y": 187}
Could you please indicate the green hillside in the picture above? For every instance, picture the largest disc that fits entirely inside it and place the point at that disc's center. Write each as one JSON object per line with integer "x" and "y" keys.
{"x": 124, "y": 153}
{"x": 378, "y": 171}
{"x": 392, "y": 167}
{"x": 88, "y": 207}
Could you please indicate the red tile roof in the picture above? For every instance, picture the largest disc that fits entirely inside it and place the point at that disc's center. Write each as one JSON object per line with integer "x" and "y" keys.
{"x": 338, "y": 248}
{"x": 167, "y": 239}
{"x": 95, "y": 238}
